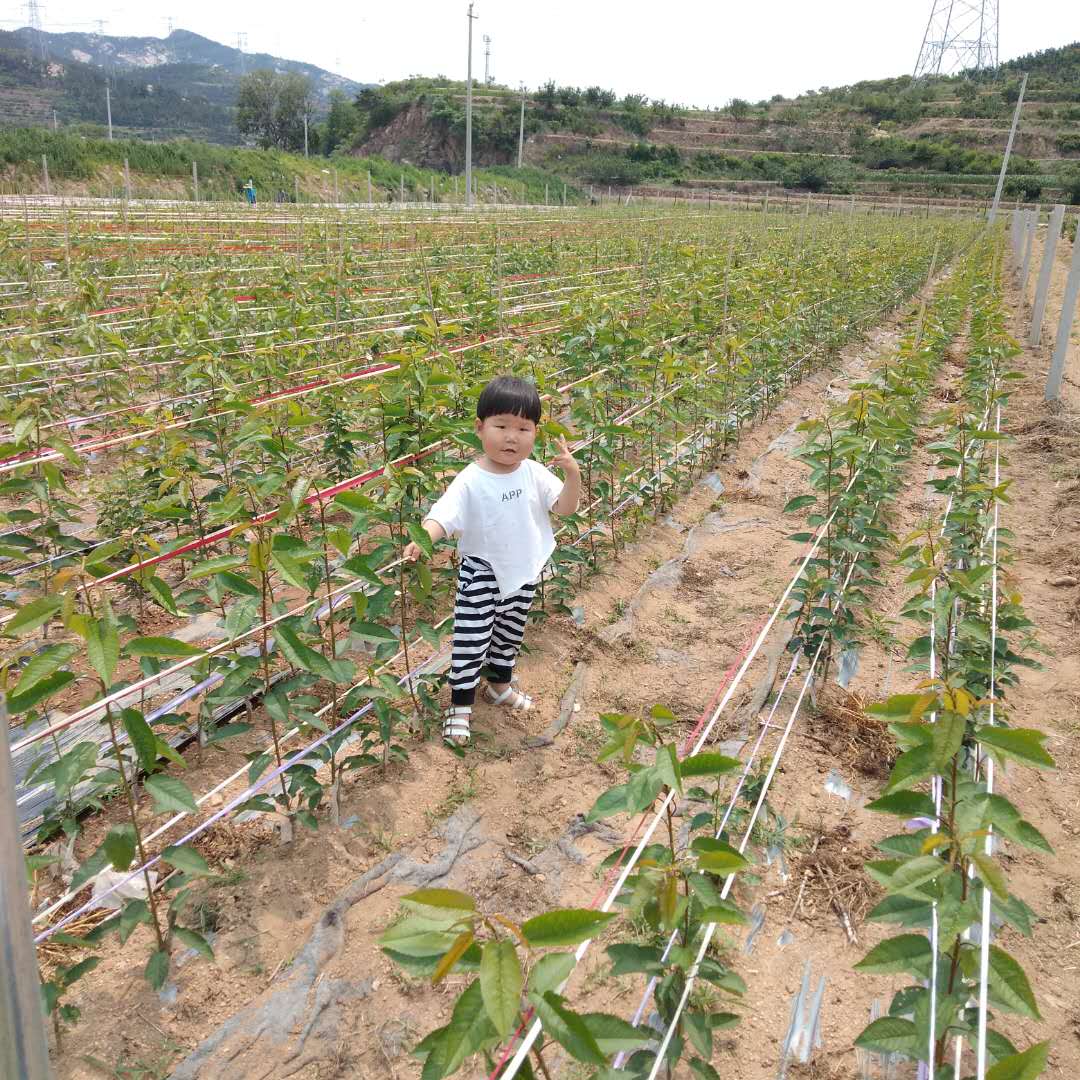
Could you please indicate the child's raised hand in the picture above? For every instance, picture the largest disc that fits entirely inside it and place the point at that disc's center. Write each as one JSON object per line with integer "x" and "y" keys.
{"x": 564, "y": 459}
{"x": 412, "y": 552}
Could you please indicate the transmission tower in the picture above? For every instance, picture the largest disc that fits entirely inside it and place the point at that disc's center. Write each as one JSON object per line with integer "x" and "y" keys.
{"x": 37, "y": 34}
{"x": 961, "y": 35}
{"x": 487, "y": 60}
{"x": 241, "y": 45}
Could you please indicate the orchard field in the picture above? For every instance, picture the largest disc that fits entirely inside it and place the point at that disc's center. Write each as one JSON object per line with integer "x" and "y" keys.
{"x": 803, "y": 657}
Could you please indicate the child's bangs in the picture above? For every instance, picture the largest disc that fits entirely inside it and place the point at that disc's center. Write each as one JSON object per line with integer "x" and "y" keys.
{"x": 508, "y": 395}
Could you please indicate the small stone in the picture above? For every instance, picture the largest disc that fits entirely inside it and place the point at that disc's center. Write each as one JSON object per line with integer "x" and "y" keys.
{"x": 1064, "y": 582}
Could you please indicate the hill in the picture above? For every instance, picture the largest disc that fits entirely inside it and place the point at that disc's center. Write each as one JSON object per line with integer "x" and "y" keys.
{"x": 943, "y": 135}
{"x": 182, "y": 85}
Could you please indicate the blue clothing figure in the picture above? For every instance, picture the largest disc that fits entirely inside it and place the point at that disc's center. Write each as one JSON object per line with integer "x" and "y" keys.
{"x": 249, "y": 191}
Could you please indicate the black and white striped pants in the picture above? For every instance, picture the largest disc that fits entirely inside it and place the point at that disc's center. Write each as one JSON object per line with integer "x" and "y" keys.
{"x": 488, "y": 627}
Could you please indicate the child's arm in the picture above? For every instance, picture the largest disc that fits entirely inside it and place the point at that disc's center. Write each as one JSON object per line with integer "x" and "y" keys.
{"x": 570, "y": 496}
{"x": 413, "y": 551}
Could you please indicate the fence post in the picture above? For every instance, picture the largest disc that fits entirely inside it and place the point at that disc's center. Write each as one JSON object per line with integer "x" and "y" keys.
{"x": 401, "y": 177}
{"x": 545, "y": 194}
{"x": 195, "y": 178}
{"x": 24, "y": 1053}
{"x": 45, "y": 173}
{"x": 1042, "y": 290}
{"x": 1029, "y": 245}
{"x": 127, "y": 181}
{"x": 336, "y": 200}
{"x": 369, "y": 186}
{"x": 1068, "y": 310}
{"x": 564, "y": 194}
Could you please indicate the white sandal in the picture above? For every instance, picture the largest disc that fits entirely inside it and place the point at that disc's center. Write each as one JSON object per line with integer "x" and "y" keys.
{"x": 455, "y": 727}
{"x": 511, "y": 697}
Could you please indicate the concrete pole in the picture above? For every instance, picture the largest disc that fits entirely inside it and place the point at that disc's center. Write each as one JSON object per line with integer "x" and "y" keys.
{"x": 1029, "y": 245}
{"x": 521, "y": 128}
{"x": 545, "y": 194}
{"x": 296, "y": 189}
{"x": 54, "y": 124}
{"x": 24, "y": 1052}
{"x": 401, "y": 185}
{"x": 1064, "y": 331}
{"x": 432, "y": 189}
{"x": 369, "y": 185}
{"x": 305, "y": 136}
{"x": 127, "y": 181}
{"x": 1042, "y": 290}
{"x": 108, "y": 109}
{"x": 336, "y": 199}
{"x": 45, "y": 174}
{"x": 195, "y": 178}
{"x": 1008, "y": 150}
{"x": 468, "y": 119}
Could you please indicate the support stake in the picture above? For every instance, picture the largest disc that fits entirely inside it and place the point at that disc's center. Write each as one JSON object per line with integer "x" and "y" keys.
{"x": 24, "y": 1053}
{"x": 1068, "y": 311}
{"x": 1042, "y": 290}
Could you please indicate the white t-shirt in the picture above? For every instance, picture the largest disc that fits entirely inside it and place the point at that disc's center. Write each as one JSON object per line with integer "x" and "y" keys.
{"x": 502, "y": 518}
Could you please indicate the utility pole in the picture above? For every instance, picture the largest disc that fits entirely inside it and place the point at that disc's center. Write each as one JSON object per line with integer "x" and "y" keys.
{"x": 468, "y": 118}
{"x": 1008, "y": 149}
{"x": 305, "y": 135}
{"x": 487, "y": 60}
{"x": 521, "y": 126}
{"x": 108, "y": 109}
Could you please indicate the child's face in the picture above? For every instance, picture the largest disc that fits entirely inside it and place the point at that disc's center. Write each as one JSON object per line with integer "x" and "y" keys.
{"x": 507, "y": 439}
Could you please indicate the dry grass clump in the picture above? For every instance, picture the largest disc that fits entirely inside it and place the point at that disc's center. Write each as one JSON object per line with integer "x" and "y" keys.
{"x": 830, "y": 881}
{"x": 862, "y": 741}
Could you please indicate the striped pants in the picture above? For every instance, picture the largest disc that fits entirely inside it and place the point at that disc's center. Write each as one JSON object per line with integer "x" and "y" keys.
{"x": 488, "y": 627}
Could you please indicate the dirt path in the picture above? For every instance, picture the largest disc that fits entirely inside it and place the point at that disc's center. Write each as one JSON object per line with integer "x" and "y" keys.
{"x": 662, "y": 625}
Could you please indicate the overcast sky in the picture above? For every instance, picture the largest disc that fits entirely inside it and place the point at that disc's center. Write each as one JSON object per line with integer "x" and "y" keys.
{"x": 694, "y": 52}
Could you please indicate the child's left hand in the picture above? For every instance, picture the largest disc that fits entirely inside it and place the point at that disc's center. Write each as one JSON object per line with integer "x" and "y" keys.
{"x": 564, "y": 459}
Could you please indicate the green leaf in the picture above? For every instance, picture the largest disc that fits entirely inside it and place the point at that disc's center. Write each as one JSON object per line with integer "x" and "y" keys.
{"x": 157, "y": 969}
{"x": 103, "y": 647}
{"x": 134, "y": 913}
{"x": 194, "y": 941}
{"x": 891, "y": 1034}
{"x": 906, "y": 952}
{"x": 170, "y": 794}
{"x": 41, "y": 689}
{"x": 1023, "y": 744}
{"x": 32, "y": 615}
{"x": 119, "y": 845}
{"x": 708, "y": 764}
{"x": 798, "y": 503}
{"x": 440, "y": 898}
{"x": 186, "y": 859}
{"x": 420, "y": 537}
{"x": 160, "y": 646}
{"x": 500, "y": 984}
{"x": 468, "y": 1031}
{"x": 1024, "y": 1066}
{"x": 41, "y": 667}
{"x": 913, "y": 875}
{"x": 567, "y": 1029}
{"x": 904, "y": 804}
{"x": 160, "y": 591}
{"x": 142, "y": 738}
{"x": 213, "y": 566}
{"x": 1009, "y": 985}
{"x": 613, "y": 1034}
{"x": 699, "y": 1033}
{"x": 612, "y": 801}
{"x": 91, "y": 868}
{"x": 992, "y": 875}
{"x": 628, "y": 958}
{"x": 290, "y": 569}
{"x": 371, "y": 631}
{"x": 703, "y": 1070}
{"x": 549, "y": 972}
{"x": 566, "y": 926}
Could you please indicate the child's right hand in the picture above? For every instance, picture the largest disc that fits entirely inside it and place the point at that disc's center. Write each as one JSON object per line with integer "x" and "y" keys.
{"x": 412, "y": 552}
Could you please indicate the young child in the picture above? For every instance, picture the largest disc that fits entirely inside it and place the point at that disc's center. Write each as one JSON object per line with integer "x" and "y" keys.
{"x": 499, "y": 509}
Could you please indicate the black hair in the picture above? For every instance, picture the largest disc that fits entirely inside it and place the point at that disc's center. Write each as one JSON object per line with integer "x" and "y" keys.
{"x": 509, "y": 394}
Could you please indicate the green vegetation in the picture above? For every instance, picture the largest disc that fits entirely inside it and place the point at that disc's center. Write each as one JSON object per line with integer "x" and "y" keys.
{"x": 95, "y": 165}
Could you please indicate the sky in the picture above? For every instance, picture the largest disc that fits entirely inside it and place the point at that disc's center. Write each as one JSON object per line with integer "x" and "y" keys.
{"x": 689, "y": 52}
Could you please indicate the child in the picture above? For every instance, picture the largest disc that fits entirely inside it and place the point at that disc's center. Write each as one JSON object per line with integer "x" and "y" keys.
{"x": 498, "y": 507}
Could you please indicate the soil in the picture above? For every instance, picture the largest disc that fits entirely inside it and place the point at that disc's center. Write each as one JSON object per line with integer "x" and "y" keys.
{"x": 672, "y": 614}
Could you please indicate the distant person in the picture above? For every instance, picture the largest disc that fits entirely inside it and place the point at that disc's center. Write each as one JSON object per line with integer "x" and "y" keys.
{"x": 249, "y": 192}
